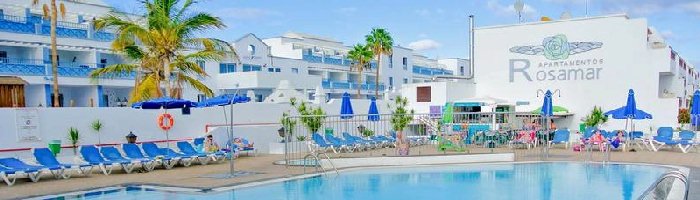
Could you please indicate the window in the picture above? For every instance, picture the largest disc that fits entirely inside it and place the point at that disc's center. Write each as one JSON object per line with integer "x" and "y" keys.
{"x": 3, "y": 56}
{"x": 201, "y": 97}
{"x": 391, "y": 61}
{"x": 423, "y": 94}
{"x": 461, "y": 70}
{"x": 295, "y": 70}
{"x": 258, "y": 98}
{"x": 404, "y": 62}
{"x": 251, "y": 49}
{"x": 405, "y": 80}
{"x": 391, "y": 82}
{"x": 227, "y": 68}
{"x": 248, "y": 68}
{"x": 278, "y": 69}
{"x": 201, "y": 64}
{"x": 270, "y": 69}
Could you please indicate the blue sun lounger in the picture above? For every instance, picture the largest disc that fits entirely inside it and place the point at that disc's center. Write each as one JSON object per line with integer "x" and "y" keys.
{"x": 561, "y": 136}
{"x": 153, "y": 151}
{"x": 45, "y": 157}
{"x": 686, "y": 140}
{"x": 664, "y": 137}
{"x": 10, "y": 175}
{"x": 186, "y": 160}
{"x": 341, "y": 144}
{"x": 92, "y": 156}
{"x": 321, "y": 144}
{"x": 367, "y": 144}
{"x": 133, "y": 151}
{"x": 187, "y": 149}
{"x": 14, "y": 165}
{"x": 112, "y": 154}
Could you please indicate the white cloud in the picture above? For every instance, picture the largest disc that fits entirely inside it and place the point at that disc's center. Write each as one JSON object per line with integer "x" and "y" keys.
{"x": 245, "y": 13}
{"x": 668, "y": 35}
{"x": 633, "y": 7}
{"x": 692, "y": 7}
{"x": 346, "y": 10}
{"x": 528, "y": 12}
{"x": 430, "y": 12}
{"x": 424, "y": 44}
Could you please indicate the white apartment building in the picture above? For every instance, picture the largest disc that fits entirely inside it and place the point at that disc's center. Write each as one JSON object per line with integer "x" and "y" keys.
{"x": 307, "y": 62}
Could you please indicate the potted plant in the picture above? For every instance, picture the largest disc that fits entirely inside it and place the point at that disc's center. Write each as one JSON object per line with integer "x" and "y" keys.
{"x": 683, "y": 117}
{"x": 596, "y": 118}
{"x": 400, "y": 117}
{"x": 367, "y": 133}
{"x": 288, "y": 125}
{"x": 301, "y": 138}
{"x": 311, "y": 117}
{"x": 97, "y": 126}
{"x": 74, "y": 138}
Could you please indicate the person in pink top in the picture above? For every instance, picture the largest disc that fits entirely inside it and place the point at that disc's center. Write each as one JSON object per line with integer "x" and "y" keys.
{"x": 599, "y": 139}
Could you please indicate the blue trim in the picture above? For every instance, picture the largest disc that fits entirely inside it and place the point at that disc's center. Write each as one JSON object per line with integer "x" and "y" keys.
{"x": 100, "y": 100}
{"x": 47, "y": 91}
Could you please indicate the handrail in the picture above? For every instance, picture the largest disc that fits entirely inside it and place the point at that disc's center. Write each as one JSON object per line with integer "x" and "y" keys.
{"x": 318, "y": 165}
{"x": 652, "y": 193}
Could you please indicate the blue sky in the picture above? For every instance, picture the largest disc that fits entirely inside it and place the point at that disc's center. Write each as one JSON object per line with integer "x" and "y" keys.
{"x": 436, "y": 28}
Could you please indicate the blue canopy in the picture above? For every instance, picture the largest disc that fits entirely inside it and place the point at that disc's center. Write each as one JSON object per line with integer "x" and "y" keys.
{"x": 345, "y": 107}
{"x": 373, "y": 114}
{"x": 223, "y": 100}
{"x": 629, "y": 111}
{"x": 163, "y": 103}
{"x": 619, "y": 113}
{"x": 695, "y": 108}
{"x": 547, "y": 108}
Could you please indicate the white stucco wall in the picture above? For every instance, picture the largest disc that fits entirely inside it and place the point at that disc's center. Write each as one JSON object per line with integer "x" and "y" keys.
{"x": 624, "y": 62}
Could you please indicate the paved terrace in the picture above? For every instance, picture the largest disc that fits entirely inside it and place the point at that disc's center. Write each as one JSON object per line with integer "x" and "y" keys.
{"x": 195, "y": 176}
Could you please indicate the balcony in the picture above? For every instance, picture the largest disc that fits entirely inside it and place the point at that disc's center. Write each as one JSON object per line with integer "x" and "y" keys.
{"x": 34, "y": 67}
{"x": 328, "y": 84}
{"x": 312, "y": 58}
{"x": 431, "y": 71}
{"x": 36, "y": 25}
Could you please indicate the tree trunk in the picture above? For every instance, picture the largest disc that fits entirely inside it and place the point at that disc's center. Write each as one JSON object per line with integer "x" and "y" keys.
{"x": 166, "y": 77}
{"x": 54, "y": 53}
{"x": 376, "y": 78}
{"x": 359, "y": 69}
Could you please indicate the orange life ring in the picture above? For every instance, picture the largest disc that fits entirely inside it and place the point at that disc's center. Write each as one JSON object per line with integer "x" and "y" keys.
{"x": 165, "y": 121}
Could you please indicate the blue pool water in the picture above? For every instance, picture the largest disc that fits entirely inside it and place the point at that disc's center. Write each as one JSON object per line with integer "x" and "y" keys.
{"x": 569, "y": 181}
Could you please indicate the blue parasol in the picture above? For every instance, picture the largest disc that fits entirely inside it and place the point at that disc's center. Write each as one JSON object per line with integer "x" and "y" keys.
{"x": 695, "y": 108}
{"x": 620, "y": 113}
{"x": 345, "y": 107}
{"x": 547, "y": 108}
{"x": 163, "y": 103}
{"x": 373, "y": 113}
{"x": 629, "y": 112}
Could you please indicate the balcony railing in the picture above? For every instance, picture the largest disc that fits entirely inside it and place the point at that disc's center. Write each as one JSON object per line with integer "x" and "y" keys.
{"x": 35, "y": 67}
{"x": 431, "y": 71}
{"x": 328, "y": 84}
{"x": 37, "y": 25}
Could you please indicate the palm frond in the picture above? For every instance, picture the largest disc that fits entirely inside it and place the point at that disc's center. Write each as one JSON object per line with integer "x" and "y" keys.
{"x": 196, "y": 84}
{"x": 113, "y": 71}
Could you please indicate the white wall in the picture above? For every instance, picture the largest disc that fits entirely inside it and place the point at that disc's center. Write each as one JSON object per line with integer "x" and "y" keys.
{"x": 627, "y": 63}
{"x": 118, "y": 122}
{"x": 440, "y": 93}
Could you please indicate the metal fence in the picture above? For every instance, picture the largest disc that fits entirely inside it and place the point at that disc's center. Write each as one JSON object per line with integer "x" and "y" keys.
{"x": 427, "y": 134}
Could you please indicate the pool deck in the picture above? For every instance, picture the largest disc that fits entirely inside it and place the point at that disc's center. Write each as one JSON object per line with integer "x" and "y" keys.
{"x": 196, "y": 176}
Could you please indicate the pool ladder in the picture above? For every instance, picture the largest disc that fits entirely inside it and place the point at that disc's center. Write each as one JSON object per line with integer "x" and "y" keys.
{"x": 317, "y": 164}
{"x": 661, "y": 189}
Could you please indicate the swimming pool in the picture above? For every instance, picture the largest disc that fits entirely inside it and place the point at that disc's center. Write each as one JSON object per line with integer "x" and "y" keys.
{"x": 555, "y": 180}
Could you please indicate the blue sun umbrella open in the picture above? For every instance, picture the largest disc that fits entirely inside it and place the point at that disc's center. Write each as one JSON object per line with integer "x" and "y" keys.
{"x": 224, "y": 100}
{"x": 629, "y": 112}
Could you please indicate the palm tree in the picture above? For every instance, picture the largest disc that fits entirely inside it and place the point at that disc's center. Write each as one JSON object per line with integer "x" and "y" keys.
{"x": 51, "y": 11}
{"x": 380, "y": 42}
{"x": 360, "y": 56}
{"x": 163, "y": 46}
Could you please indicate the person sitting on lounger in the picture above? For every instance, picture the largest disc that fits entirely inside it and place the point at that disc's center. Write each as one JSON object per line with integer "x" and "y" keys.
{"x": 599, "y": 139}
{"x": 615, "y": 142}
{"x": 210, "y": 146}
